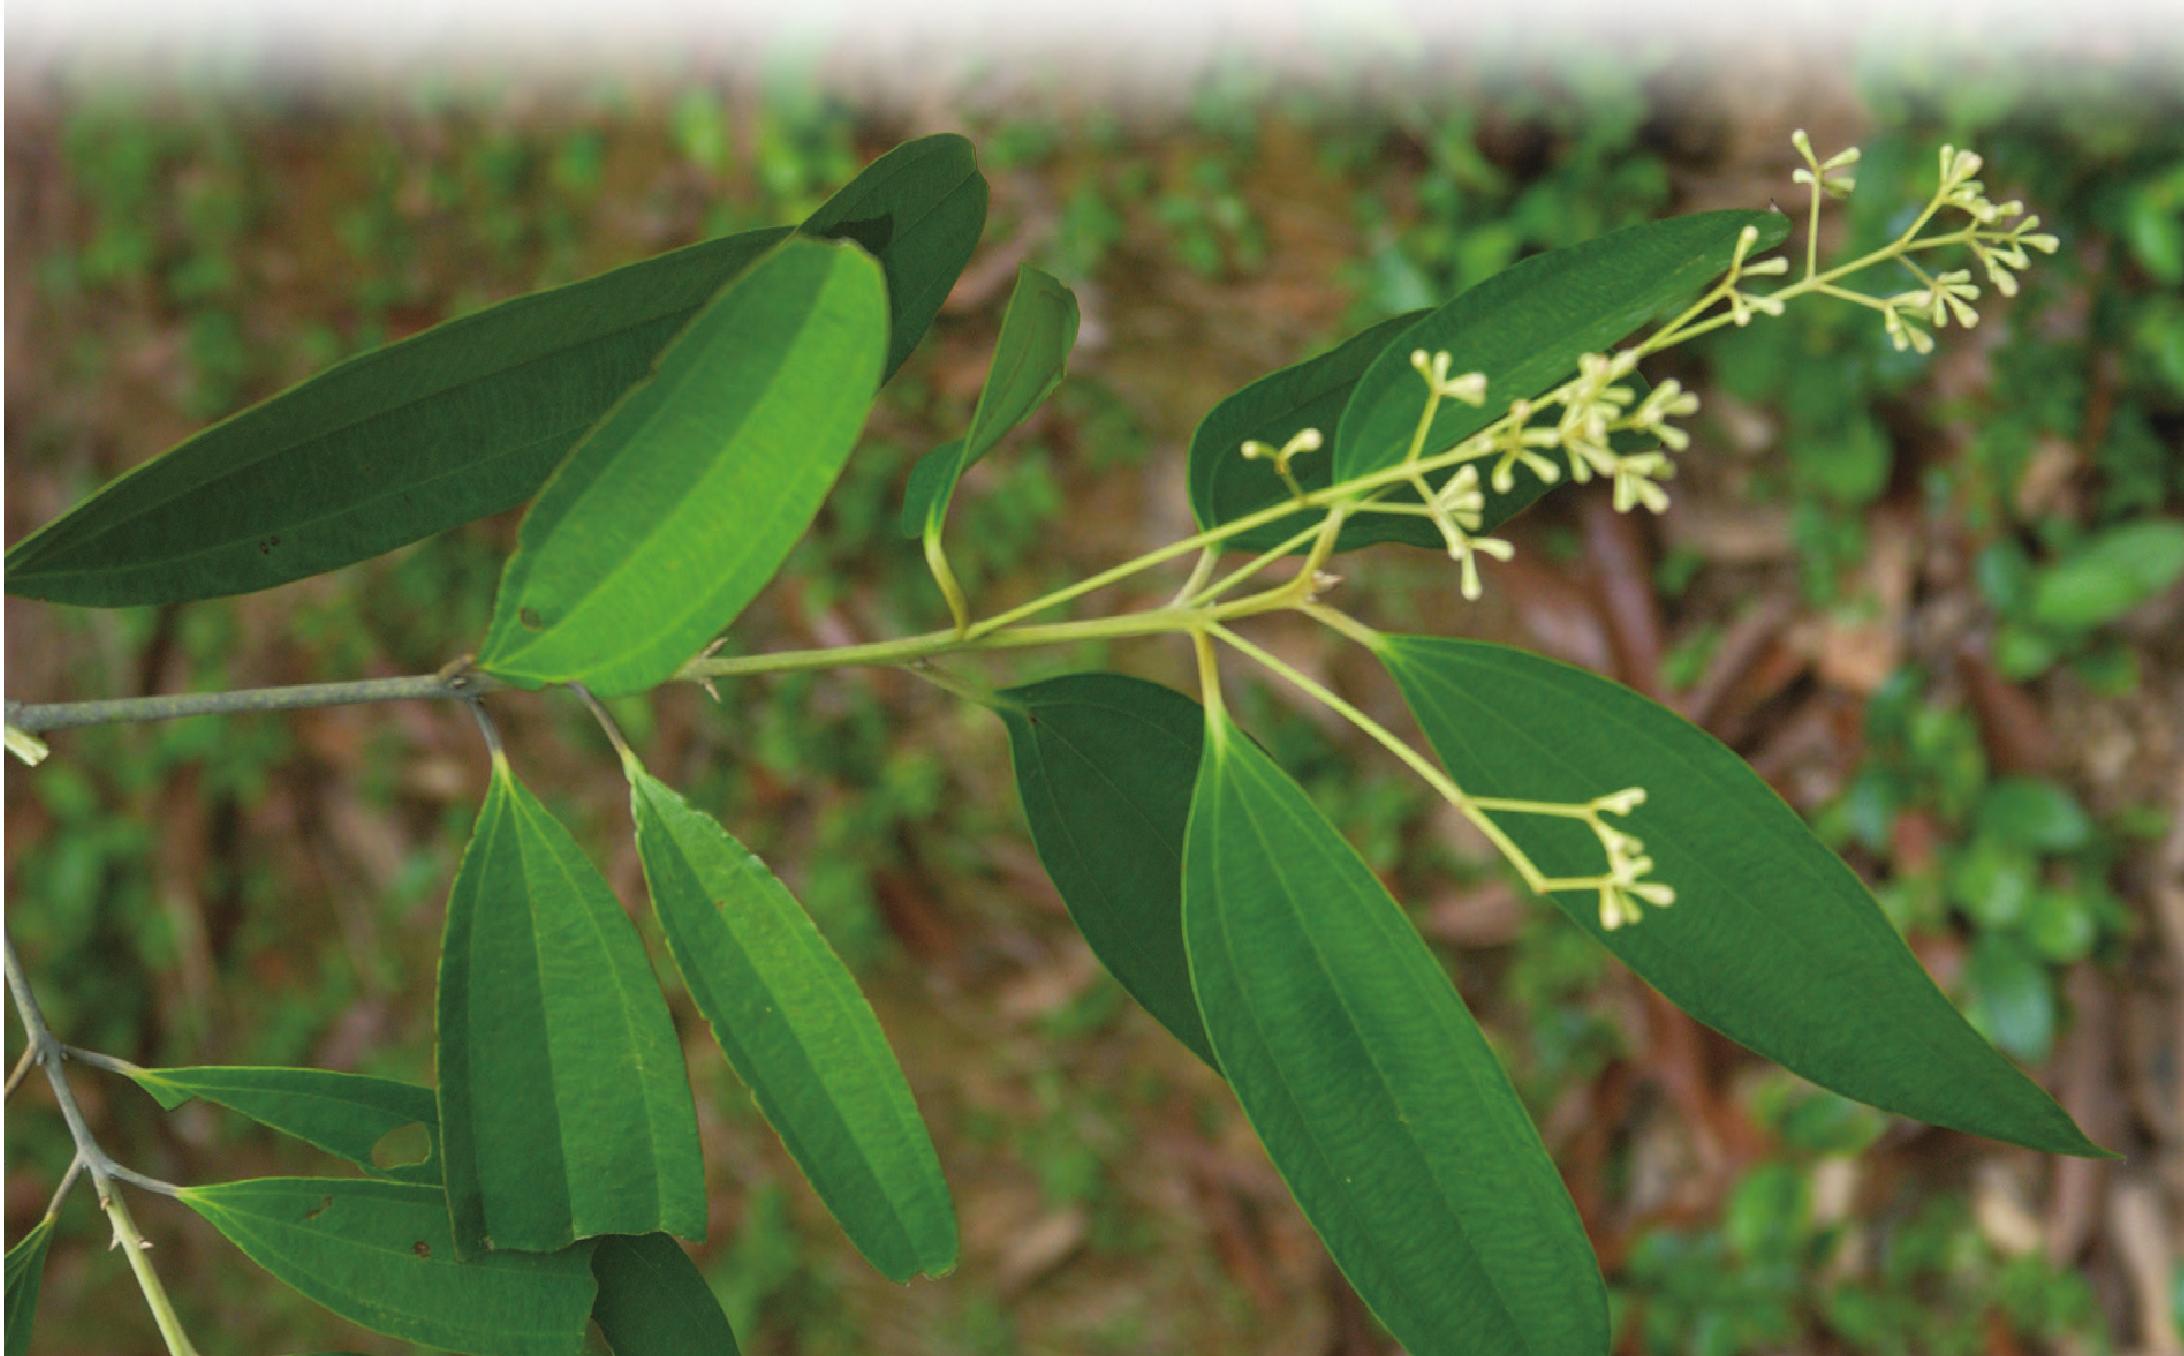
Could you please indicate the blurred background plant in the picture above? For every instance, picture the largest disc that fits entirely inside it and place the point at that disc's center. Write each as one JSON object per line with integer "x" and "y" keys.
{"x": 1934, "y": 599}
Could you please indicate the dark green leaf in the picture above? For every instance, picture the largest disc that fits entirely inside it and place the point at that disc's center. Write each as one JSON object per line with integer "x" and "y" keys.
{"x": 564, "y": 1109}
{"x": 1526, "y": 326}
{"x": 25, "y": 1269}
{"x": 463, "y": 420}
{"x": 1105, "y": 764}
{"x": 799, "y": 1033}
{"x": 347, "y": 1115}
{"x": 1772, "y": 940}
{"x": 653, "y": 1301}
{"x": 1373, "y": 1090}
{"x": 918, "y": 210}
{"x": 467, "y": 418}
{"x": 1037, "y": 332}
{"x": 379, "y": 1255}
{"x": 1311, "y": 394}
{"x": 683, "y": 502}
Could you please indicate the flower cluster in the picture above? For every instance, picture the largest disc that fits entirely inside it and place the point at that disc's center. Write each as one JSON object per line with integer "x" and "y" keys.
{"x": 1623, "y": 886}
{"x": 1831, "y": 176}
{"x": 1303, "y": 440}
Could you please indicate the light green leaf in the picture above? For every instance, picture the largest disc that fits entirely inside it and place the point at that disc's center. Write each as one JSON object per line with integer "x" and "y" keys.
{"x": 1373, "y": 1090}
{"x": 2109, "y": 575}
{"x": 1772, "y": 941}
{"x": 2012, "y": 995}
{"x": 1526, "y": 326}
{"x": 799, "y": 1033}
{"x": 918, "y": 210}
{"x": 1037, "y": 332}
{"x": 461, "y": 421}
{"x": 653, "y": 1301}
{"x": 1105, "y": 764}
{"x": 564, "y": 1109}
{"x": 1310, "y": 394}
{"x": 379, "y": 1255}
{"x": 683, "y": 502}
{"x": 25, "y": 1269}
{"x": 347, "y": 1115}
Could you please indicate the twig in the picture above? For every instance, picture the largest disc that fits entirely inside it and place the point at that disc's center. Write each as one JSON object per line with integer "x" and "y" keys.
{"x": 103, "y": 1171}
{"x": 69, "y": 715}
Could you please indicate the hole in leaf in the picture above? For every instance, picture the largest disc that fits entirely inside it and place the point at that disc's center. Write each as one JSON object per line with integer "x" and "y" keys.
{"x": 530, "y": 618}
{"x": 325, "y": 1202}
{"x": 402, "y": 1147}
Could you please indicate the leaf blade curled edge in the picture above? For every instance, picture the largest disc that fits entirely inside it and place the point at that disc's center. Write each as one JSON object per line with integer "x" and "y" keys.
{"x": 653, "y": 1301}
{"x": 1372, "y": 1089}
{"x": 1105, "y": 764}
{"x": 564, "y": 1108}
{"x": 799, "y": 1032}
{"x": 681, "y": 504}
{"x": 379, "y": 1254}
{"x": 1772, "y": 941}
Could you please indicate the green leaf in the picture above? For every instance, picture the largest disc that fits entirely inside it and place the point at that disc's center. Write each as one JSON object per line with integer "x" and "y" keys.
{"x": 379, "y": 1255}
{"x": 2109, "y": 575}
{"x": 653, "y": 1301}
{"x": 1772, "y": 941}
{"x": 1225, "y": 487}
{"x": 1037, "y": 332}
{"x": 468, "y": 418}
{"x": 1526, "y": 326}
{"x": 685, "y": 499}
{"x": 918, "y": 210}
{"x": 1105, "y": 764}
{"x": 25, "y": 1269}
{"x": 461, "y": 421}
{"x": 347, "y": 1115}
{"x": 2012, "y": 996}
{"x": 1373, "y": 1090}
{"x": 799, "y": 1033}
{"x": 564, "y": 1109}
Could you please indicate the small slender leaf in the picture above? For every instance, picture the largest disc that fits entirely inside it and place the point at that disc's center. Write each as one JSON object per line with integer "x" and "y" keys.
{"x": 463, "y": 420}
{"x": 1037, "y": 332}
{"x": 379, "y": 1255}
{"x": 1772, "y": 941}
{"x": 683, "y": 502}
{"x": 347, "y": 1115}
{"x": 25, "y": 1269}
{"x": 653, "y": 1301}
{"x": 1373, "y": 1090}
{"x": 1105, "y": 764}
{"x": 1311, "y": 394}
{"x": 1526, "y": 326}
{"x": 918, "y": 210}
{"x": 564, "y": 1109}
{"x": 799, "y": 1033}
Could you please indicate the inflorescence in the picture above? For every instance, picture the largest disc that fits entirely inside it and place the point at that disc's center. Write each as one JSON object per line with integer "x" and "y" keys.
{"x": 1596, "y": 425}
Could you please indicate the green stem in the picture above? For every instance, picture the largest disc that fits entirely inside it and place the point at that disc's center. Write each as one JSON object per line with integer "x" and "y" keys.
{"x": 103, "y": 1171}
{"x": 1380, "y": 734}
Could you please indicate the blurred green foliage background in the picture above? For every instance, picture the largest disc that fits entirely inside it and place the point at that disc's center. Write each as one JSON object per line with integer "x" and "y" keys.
{"x": 1933, "y": 599}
